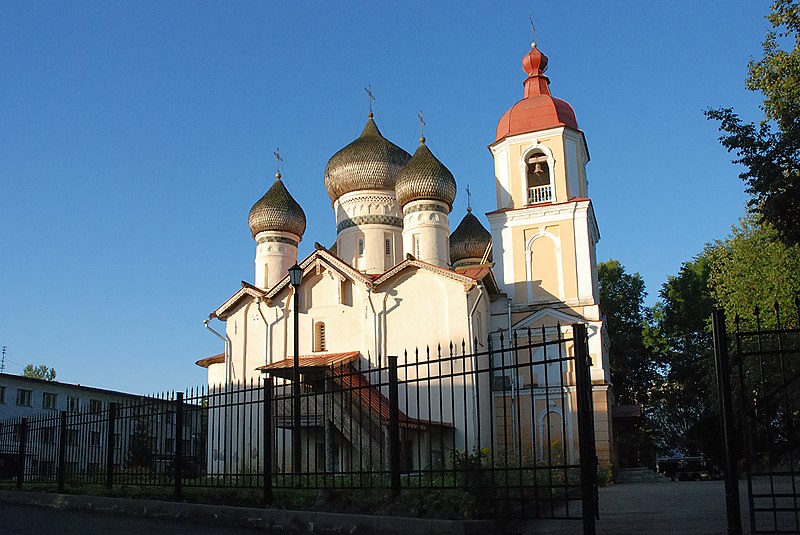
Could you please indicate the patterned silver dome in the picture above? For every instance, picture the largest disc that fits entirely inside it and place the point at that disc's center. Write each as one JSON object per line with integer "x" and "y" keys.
{"x": 469, "y": 239}
{"x": 369, "y": 162}
{"x": 277, "y": 210}
{"x": 425, "y": 178}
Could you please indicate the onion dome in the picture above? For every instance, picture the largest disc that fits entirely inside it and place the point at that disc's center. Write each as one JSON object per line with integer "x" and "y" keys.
{"x": 469, "y": 239}
{"x": 369, "y": 162}
{"x": 277, "y": 210}
{"x": 425, "y": 178}
{"x": 538, "y": 110}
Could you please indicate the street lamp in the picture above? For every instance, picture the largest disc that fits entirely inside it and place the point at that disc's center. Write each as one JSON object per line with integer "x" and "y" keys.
{"x": 295, "y": 278}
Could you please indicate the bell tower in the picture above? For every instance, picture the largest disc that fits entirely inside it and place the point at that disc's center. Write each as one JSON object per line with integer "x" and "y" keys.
{"x": 544, "y": 218}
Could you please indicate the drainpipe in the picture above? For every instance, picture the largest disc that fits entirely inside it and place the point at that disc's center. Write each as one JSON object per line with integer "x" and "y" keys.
{"x": 228, "y": 350}
{"x": 374, "y": 326}
{"x": 266, "y": 330}
{"x": 513, "y": 384}
{"x": 474, "y": 350}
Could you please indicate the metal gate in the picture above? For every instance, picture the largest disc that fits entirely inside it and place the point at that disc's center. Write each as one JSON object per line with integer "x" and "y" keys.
{"x": 758, "y": 372}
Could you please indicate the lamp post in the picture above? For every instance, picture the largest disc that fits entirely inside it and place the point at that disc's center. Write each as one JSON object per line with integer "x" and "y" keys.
{"x": 295, "y": 277}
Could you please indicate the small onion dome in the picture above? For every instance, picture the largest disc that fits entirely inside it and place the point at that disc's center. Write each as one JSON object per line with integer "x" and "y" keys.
{"x": 538, "y": 110}
{"x": 425, "y": 178}
{"x": 369, "y": 162}
{"x": 469, "y": 239}
{"x": 277, "y": 210}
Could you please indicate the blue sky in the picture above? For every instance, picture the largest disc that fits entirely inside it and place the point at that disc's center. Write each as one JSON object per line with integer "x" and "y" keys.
{"x": 135, "y": 136}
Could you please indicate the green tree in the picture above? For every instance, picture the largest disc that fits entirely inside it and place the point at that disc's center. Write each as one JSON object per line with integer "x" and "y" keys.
{"x": 770, "y": 151}
{"x": 754, "y": 268}
{"x": 684, "y": 402}
{"x": 633, "y": 370}
{"x": 39, "y": 372}
{"x": 622, "y": 295}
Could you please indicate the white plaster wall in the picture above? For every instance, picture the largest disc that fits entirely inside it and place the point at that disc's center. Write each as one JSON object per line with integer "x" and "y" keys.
{"x": 432, "y": 229}
{"x": 274, "y": 258}
{"x": 368, "y": 203}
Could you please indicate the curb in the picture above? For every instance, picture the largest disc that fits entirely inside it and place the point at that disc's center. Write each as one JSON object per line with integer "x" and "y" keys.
{"x": 268, "y": 520}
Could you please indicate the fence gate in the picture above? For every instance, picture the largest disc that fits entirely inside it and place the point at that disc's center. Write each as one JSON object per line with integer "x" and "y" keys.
{"x": 760, "y": 400}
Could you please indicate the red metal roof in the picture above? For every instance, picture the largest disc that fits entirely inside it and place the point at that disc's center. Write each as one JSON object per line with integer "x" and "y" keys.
{"x": 313, "y": 361}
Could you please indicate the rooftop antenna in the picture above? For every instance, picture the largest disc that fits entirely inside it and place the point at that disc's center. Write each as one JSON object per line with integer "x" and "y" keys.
{"x": 533, "y": 32}
{"x": 469, "y": 200}
{"x": 371, "y": 97}
{"x": 3, "y": 360}
{"x": 278, "y": 161}
{"x": 421, "y": 128}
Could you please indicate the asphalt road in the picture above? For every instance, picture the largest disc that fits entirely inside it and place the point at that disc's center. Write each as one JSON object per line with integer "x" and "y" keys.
{"x": 16, "y": 519}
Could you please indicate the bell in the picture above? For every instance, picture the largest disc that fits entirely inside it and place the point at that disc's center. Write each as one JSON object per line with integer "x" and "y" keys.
{"x": 537, "y": 170}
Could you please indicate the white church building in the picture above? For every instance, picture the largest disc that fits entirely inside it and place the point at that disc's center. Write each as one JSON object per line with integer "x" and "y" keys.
{"x": 399, "y": 277}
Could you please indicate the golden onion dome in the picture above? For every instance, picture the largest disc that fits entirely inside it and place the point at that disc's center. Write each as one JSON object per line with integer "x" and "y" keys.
{"x": 277, "y": 210}
{"x": 425, "y": 178}
{"x": 369, "y": 162}
{"x": 469, "y": 240}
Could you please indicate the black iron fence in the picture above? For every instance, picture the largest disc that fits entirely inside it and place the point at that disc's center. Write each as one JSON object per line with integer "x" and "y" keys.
{"x": 759, "y": 383}
{"x": 505, "y": 430}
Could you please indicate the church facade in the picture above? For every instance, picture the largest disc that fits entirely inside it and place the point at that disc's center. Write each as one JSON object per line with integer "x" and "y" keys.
{"x": 398, "y": 278}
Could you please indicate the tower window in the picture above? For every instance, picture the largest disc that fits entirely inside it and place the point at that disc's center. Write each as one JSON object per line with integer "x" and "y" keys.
{"x": 415, "y": 245}
{"x": 388, "y": 246}
{"x": 538, "y": 179}
{"x": 319, "y": 337}
{"x": 360, "y": 246}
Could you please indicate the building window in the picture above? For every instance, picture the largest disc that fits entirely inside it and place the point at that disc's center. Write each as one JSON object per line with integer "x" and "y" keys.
{"x": 387, "y": 247}
{"x": 24, "y": 397}
{"x": 2, "y": 394}
{"x": 360, "y": 246}
{"x": 319, "y": 336}
{"x": 415, "y": 245}
{"x": 94, "y": 438}
{"x": 538, "y": 178}
{"x": 49, "y": 400}
{"x": 95, "y": 405}
{"x": 72, "y": 404}
{"x": 73, "y": 436}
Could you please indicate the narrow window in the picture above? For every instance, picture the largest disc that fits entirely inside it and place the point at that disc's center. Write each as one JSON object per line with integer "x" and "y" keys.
{"x": 388, "y": 247}
{"x": 415, "y": 245}
{"x": 2, "y": 394}
{"x": 95, "y": 405}
{"x": 49, "y": 400}
{"x": 24, "y": 397}
{"x": 73, "y": 404}
{"x": 319, "y": 336}
{"x": 360, "y": 246}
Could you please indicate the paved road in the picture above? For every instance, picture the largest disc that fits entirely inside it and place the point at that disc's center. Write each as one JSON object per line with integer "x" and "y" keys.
{"x": 30, "y": 519}
{"x": 682, "y": 507}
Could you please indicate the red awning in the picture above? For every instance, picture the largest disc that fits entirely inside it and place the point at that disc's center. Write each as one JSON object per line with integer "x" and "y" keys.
{"x": 283, "y": 368}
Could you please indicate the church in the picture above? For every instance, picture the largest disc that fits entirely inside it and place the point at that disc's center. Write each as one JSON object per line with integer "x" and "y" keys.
{"x": 401, "y": 275}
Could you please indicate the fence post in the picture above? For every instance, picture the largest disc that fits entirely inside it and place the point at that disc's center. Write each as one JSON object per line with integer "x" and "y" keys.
{"x": 61, "y": 468}
{"x": 178, "y": 464}
{"x": 267, "y": 441}
{"x": 586, "y": 446}
{"x": 23, "y": 442}
{"x": 394, "y": 427}
{"x": 726, "y": 416}
{"x": 112, "y": 422}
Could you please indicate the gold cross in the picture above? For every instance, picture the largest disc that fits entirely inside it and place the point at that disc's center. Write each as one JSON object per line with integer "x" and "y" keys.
{"x": 371, "y": 97}
{"x": 278, "y": 159}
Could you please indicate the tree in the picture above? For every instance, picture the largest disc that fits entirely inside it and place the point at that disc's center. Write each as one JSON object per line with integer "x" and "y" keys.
{"x": 39, "y": 372}
{"x": 633, "y": 371}
{"x": 770, "y": 151}
{"x": 684, "y": 402}
{"x": 753, "y": 268}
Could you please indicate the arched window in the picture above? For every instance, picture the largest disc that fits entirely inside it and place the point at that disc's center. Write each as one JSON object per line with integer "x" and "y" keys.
{"x": 319, "y": 336}
{"x": 538, "y": 178}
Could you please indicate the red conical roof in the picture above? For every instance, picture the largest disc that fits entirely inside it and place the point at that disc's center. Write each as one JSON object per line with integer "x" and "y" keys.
{"x": 538, "y": 109}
